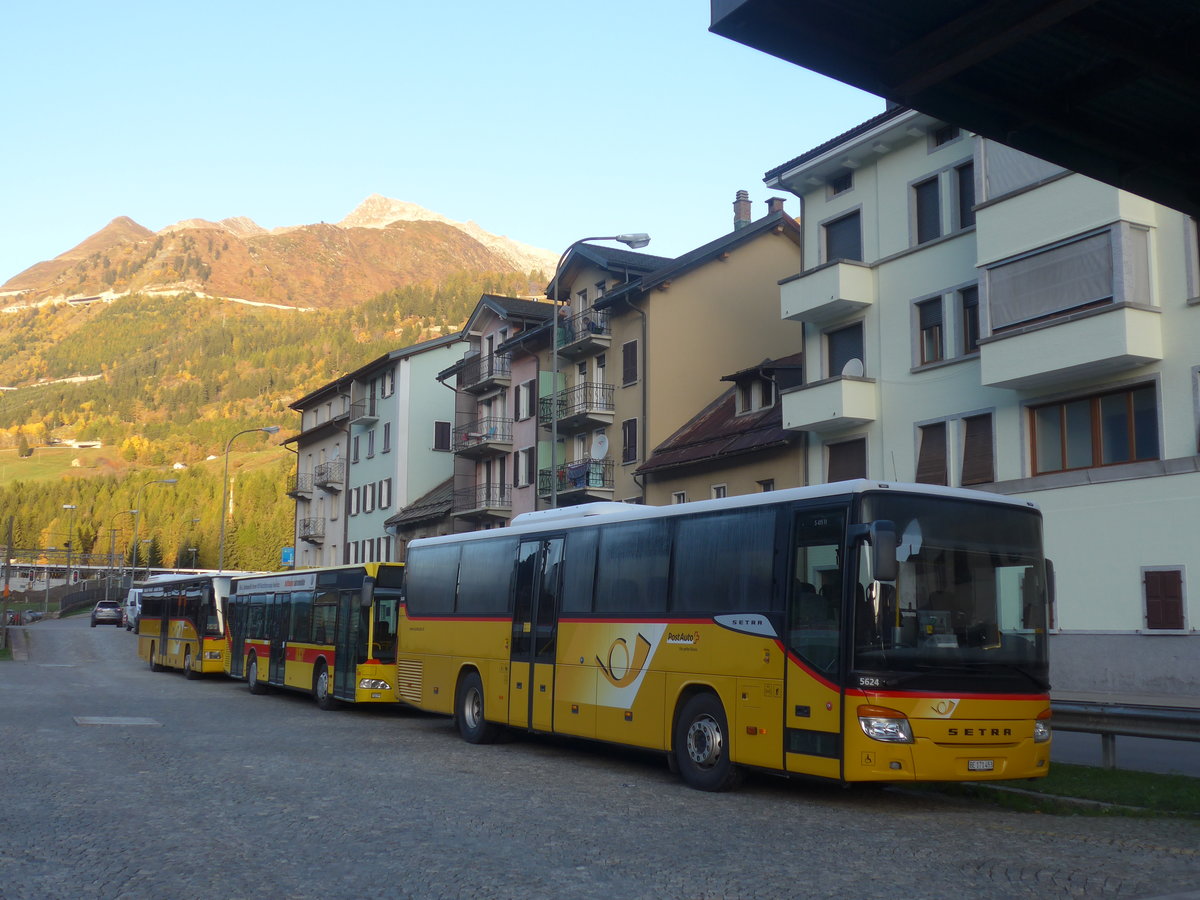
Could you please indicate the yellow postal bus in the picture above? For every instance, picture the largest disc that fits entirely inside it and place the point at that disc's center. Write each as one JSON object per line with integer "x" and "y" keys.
{"x": 330, "y": 632}
{"x": 182, "y": 623}
{"x": 858, "y": 631}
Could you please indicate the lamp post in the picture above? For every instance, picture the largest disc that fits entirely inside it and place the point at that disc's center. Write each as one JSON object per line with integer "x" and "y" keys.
{"x": 137, "y": 518}
{"x": 147, "y": 542}
{"x": 70, "y": 529}
{"x": 112, "y": 547}
{"x": 266, "y": 429}
{"x": 193, "y": 550}
{"x": 634, "y": 242}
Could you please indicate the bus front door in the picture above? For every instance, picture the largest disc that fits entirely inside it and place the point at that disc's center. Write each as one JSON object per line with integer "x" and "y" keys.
{"x": 350, "y": 646}
{"x": 277, "y": 634}
{"x": 534, "y": 634}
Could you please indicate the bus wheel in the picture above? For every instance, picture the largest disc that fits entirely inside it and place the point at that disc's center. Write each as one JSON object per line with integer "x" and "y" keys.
{"x": 320, "y": 690}
{"x": 468, "y": 712}
{"x": 256, "y": 686}
{"x": 155, "y": 666}
{"x": 702, "y": 745}
{"x": 188, "y": 672}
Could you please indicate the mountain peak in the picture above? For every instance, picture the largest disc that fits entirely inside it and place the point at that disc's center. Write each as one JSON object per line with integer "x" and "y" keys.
{"x": 378, "y": 211}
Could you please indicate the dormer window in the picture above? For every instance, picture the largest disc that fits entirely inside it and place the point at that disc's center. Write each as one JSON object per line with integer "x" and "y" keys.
{"x": 755, "y": 393}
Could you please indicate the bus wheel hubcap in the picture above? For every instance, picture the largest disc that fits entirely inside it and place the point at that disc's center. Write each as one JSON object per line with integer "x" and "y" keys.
{"x": 704, "y": 742}
{"x": 473, "y": 710}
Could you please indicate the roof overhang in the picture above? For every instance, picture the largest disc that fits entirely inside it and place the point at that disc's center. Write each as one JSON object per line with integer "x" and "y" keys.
{"x": 1107, "y": 88}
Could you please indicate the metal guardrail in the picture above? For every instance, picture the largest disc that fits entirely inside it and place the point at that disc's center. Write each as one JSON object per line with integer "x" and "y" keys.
{"x": 1110, "y": 720}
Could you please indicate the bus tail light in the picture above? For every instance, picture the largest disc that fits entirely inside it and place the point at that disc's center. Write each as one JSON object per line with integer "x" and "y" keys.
{"x": 1041, "y": 728}
{"x": 882, "y": 724}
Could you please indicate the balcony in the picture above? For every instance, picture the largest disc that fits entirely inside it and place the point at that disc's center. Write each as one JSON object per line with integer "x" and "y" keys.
{"x": 586, "y": 405}
{"x": 828, "y": 293}
{"x": 330, "y": 476}
{"x": 364, "y": 412}
{"x": 300, "y": 486}
{"x": 1090, "y": 344}
{"x": 489, "y": 436}
{"x": 831, "y": 405}
{"x": 583, "y": 334}
{"x": 484, "y": 501}
{"x": 578, "y": 481}
{"x": 311, "y": 530}
{"x": 480, "y": 374}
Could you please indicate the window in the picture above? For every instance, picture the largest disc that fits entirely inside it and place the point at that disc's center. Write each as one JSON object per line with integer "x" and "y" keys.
{"x": 717, "y": 491}
{"x": 370, "y": 443}
{"x": 847, "y": 460}
{"x": 943, "y": 135}
{"x": 389, "y": 382}
{"x": 629, "y": 362}
{"x": 754, "y": 394}
{"x": 480, "y": 592}
{"x": 355, "y": 500}
{"x": 843, "y": 238}
{"x": 1101, "y": 430}
{"x": 634, "y": 575}
{"x": 441, "y": 435}
{"x": 931, "y": 456}
{"x": 525, "y": 400}
{"x": 601, "y": 287}
{"x": 1164, "y": 599}
{"x": 841, "y": 182}
{"x": 927, "y": 206}
{"x": 679, "y": 497}
{"x": 978, "y": 464}
{"x": 387, "y": 437}
{"x": 964, "y": 195}
{"x": 432, "y": 576}
{"x": 767, "y": 484}
{"x": 929, "y": 322}
{"x": 844, "y": 345}
{"x": 368, "y": 502}
{"x": 354, "y": 449}
{"x": 385, "y": 493}
{"x": 724, "y": 562}
{"x": 968, "y": 315}
{"x": 629, "y": 440}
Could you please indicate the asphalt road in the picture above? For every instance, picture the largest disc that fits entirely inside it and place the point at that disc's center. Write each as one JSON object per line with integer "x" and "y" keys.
{"x": 221, "y": 794}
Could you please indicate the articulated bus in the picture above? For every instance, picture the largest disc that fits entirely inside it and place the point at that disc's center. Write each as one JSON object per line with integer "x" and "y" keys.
{"x": 182, "y": 623}
{"x": 330, "y": 632}
{"x": 858, "y": 631}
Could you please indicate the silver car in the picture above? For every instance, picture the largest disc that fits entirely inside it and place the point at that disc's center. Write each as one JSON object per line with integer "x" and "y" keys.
{"x": 108, "y": 612}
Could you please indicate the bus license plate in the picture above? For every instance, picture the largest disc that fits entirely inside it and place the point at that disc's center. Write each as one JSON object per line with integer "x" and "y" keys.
{"x": 981, "y": 765}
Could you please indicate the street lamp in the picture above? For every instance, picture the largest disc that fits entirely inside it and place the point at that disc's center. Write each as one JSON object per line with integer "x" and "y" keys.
{"x": 147, "y": 542}
{"x": 112, "y": 547}
{"x": 70, "y": 529}
{"x": 193, "y": 551}
{"x": 634, "y": 242}
{"x": 137, "y": 518}
{"x": 266, "y": 429}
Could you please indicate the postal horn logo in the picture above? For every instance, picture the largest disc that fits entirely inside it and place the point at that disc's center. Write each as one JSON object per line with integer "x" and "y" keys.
{"x": 622, "y": 668}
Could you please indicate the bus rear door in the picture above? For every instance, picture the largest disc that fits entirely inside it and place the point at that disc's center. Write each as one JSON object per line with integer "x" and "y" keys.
{"x": 534, "y": 634}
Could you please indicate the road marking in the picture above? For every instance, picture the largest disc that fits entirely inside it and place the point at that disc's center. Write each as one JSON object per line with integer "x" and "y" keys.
{"x": 114, "y": 720}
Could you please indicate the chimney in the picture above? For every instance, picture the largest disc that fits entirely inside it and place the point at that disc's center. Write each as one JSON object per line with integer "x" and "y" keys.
{"x": 774, "y": 205}
{"x": 741, "y": 210}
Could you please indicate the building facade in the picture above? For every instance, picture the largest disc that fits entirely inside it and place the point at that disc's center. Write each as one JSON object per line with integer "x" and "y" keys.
{"x": 975, "y": 316}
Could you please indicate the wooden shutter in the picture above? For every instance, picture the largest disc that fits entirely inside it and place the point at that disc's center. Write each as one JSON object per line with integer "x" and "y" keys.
{"x": 629, "y": 439}
{"x": 1164, "y": 599}
{"x": 931, "y": 460}
{"x": 848, "y": 460}
{"x": 977, "y": 464}
{"x": 629, "y": 363}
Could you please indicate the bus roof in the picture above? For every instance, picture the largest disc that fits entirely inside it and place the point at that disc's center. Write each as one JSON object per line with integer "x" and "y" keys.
{"x": 596, "y": 513}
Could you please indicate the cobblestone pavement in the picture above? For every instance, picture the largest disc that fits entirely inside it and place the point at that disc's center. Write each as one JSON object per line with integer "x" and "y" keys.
{"x": 230, "y": 795}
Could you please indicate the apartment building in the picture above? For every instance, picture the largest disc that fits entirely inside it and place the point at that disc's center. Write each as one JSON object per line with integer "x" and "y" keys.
{"x": 368, "y": 447}
{"x": 975, "y": 316}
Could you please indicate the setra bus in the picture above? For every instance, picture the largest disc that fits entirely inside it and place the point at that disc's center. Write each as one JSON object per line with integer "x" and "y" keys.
{"x": 858, "y": 631}
{"x": 182, "y": 622}
{"x": 330, "y": 632}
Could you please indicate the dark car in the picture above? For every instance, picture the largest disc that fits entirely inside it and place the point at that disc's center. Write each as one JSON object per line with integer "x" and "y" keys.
{"x": 108, "y": 612}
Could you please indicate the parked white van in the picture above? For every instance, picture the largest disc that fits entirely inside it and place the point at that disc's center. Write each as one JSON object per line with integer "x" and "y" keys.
{"x": 132, "y": 608}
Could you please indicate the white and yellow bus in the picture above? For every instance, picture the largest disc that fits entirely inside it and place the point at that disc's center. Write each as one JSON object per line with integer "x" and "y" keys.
{"x": 182, "y": 622}
{"x": 858, "y": 631}
{"x": 330, "y": 632}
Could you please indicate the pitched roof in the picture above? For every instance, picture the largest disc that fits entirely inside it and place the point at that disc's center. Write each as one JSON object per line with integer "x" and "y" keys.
{"x": 871, "y": 123}
{"x": 432, "y": 505}
{"x": 631, "y": 263}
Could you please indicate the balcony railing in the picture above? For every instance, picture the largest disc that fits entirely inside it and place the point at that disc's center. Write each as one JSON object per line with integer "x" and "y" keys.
{"x": 584, "y": 476}
{"x": 311, "y": 530}
{"x": 484, "y": 500}
{"x": 584, "y": 333}
{"x": 489, "y": 436}
{"x": 300, "y": 486}
{"x": 330, "y": 475}
{"x": 590, "y": 403}
{"x": 482, "y": 373}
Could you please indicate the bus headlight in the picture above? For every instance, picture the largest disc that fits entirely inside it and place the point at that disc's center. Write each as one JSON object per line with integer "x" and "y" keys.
{"x": 373, "y": 684}
{"x": 1041, "y": 728}
{"x": 882, "y": 724}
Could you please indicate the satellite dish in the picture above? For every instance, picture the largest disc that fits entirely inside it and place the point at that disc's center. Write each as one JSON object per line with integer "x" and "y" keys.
{"x": 599, "y": 447}
{"x": 853, "y": 368}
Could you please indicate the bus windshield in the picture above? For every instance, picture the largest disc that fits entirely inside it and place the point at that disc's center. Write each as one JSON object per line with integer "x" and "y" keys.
{"x": 969, "y": 604}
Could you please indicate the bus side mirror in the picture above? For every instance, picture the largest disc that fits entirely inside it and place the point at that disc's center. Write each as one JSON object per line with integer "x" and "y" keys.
{"x": 882, "y": 537}
{"x": 367, "y": 594}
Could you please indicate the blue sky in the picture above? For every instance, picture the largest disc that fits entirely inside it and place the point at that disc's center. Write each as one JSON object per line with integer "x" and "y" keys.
{"x": 542, "y": 121}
